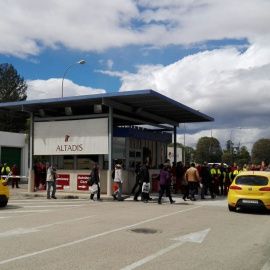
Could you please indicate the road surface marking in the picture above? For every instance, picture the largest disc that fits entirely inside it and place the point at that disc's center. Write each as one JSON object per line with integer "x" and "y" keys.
{"x": 37, "y": 229}
{"x": 267, "y": 265}
{"x": 197, "y": 237}
{"x": 93, "y": 237}
{"x": 35, "y": 201}
{"x": 51, "y": 206}
{"x": 24, "y": 211}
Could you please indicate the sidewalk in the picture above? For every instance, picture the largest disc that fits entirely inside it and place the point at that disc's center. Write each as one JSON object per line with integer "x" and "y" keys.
{"x": 22, "y": 192}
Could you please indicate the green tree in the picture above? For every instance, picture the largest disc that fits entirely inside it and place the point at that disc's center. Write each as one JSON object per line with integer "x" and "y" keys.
{"x": 12, "y": 88}
{"x": 261, "y": 151}
{"x": 244, "y": 156}
{"x": 240, "y": 156}
{"x": 190, "y": 154}
{"x": 226, "y": 158}
{"x": 229, "y": 146}
{"x": 208, "y": 149}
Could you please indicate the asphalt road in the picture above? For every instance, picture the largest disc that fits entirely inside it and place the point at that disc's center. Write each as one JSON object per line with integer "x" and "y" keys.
{"x": 37, "y": 233}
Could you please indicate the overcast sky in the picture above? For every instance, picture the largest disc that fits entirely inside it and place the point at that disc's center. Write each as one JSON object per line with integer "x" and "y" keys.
{"x": 213, "y": 56}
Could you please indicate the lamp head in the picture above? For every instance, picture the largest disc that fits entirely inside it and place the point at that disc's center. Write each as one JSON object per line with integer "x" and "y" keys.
{"x": 81, "y": 62}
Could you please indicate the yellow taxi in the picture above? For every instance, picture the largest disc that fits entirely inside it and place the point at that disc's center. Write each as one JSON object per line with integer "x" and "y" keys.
{"x": 4, "y": 192}
{"x": 250, "y": 189}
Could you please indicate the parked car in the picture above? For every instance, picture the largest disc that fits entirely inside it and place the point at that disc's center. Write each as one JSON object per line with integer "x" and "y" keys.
{"x": 250, "y": 189}
{"x": 4, "y": 192}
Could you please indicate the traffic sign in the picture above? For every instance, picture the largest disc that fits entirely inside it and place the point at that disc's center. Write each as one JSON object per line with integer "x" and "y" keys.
{"x": 63, "y": 182}
{"x": 82, "y": 182}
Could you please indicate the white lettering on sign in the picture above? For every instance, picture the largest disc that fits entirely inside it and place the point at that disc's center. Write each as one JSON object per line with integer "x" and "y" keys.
{"x": 62, "y": 179}
{"x": 83, "y": 177}
{"x": 83, "y": 181}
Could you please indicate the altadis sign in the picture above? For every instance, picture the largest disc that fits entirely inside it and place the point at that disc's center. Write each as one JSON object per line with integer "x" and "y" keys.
{"x": 170, "y": 154}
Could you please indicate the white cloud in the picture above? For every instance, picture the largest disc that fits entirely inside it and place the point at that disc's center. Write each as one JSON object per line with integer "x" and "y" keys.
{"x": 27, "y": 27}
{"x": 231, "y": 87}
{"x": 52, "y": 88}
{"x": 229, "y": 84}
{"x": 210, "y": 80}
{"x": 110, "y": 63}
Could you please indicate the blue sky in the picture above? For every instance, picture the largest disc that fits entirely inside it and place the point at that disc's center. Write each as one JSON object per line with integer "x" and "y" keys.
{"x": 212, "y": 56}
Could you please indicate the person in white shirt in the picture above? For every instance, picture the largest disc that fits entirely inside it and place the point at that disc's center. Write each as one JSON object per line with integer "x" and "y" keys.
{"x": 119, "y": 180}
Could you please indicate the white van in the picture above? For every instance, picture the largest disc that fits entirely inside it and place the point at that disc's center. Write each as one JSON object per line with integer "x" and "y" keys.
{"x": 224, "y": 164}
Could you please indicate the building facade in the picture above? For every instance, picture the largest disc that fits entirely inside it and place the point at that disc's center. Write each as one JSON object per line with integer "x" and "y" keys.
{"x": 76, "y": 132}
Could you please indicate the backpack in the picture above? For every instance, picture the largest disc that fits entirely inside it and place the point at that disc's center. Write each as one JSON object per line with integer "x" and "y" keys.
{"x": 113, "y": 174}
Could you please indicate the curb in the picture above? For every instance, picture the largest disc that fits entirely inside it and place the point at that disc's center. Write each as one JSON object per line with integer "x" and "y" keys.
{"x": 67, "y": 196}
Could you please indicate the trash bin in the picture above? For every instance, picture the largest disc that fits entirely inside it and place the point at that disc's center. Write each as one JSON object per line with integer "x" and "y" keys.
{"x": 155, "y": 183}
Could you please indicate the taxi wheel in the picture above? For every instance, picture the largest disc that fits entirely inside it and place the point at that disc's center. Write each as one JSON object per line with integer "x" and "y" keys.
{"x": 232, "y": 209}
{"x": 3, "y": 204}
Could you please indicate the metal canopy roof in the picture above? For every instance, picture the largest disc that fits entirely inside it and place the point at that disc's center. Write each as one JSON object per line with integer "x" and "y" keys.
{"x": 129, "y": 108}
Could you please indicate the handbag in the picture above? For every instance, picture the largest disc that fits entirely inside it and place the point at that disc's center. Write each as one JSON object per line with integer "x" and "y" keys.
{"x": 146, "y": 187}
{"x": 93, "y": 189}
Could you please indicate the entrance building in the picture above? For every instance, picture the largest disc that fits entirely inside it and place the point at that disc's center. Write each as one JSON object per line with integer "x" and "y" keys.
{"x": 76, "y": 132}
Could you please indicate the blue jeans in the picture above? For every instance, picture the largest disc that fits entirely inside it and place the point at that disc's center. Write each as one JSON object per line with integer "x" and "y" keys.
{"x": 49, "y": 185}
{"x": 192, "y": 188}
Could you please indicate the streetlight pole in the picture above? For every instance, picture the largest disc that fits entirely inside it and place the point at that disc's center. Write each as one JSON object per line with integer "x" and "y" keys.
{"x": 184, "y": 144}
{"x": 81, "y": 62}
{"x": 231, "y": 140}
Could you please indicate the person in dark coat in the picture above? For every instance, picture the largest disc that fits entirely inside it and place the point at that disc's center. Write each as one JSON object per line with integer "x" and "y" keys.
{"x": 137, "y": 170}
{"x": 143, "y": 177}
{"x": 207, "y": 181}
{"x": 179, "y": 177}
{"x": 95, "y": 180}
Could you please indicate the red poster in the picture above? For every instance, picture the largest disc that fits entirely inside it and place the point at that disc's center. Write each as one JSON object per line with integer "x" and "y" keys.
{"x": 63, "y": 181}
{"x": 82, "y": 182}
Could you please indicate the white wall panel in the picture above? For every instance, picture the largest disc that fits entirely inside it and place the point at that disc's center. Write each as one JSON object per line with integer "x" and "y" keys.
{"x": 71, "y": 137}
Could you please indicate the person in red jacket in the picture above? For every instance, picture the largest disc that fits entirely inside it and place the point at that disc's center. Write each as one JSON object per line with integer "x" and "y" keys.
{"x": 15, "y": 172}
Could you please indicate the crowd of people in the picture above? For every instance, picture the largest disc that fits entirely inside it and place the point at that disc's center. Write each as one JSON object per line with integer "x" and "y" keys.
{"x": 214, "y": 179}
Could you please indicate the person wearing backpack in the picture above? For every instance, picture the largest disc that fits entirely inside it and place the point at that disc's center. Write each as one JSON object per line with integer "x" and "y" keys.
{"x": 118, "y": 178}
